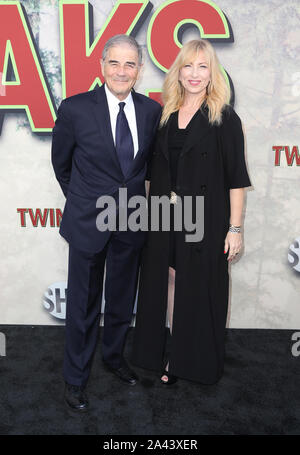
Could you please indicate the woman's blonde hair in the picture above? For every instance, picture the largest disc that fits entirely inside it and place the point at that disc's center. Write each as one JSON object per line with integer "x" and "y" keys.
{"x": 217, "y": 92}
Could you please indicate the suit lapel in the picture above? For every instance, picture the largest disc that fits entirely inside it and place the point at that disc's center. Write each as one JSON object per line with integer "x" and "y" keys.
{"x": 140, "y": 122}
{"x": 102, "y": 116}
{"x": 141, "y": 127}
{"x": 101, "y": 112}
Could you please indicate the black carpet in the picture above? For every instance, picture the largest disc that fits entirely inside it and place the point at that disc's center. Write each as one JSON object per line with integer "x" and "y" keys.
{"x": 259, "y": 393}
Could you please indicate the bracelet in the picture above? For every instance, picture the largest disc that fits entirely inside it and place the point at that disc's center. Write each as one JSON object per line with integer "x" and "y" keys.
{"x": 235, "y": 229}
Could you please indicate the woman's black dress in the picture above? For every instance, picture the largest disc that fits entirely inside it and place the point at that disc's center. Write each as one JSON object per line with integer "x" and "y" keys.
{"x": 206, "y": 160}
{"x": 176, "y": 140}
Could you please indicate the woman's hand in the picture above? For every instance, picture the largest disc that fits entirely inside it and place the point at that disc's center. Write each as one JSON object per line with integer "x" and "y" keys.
{"x": 233, "y": 243}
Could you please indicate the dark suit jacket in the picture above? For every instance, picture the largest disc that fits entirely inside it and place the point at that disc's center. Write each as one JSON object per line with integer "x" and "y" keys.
{"x": 86, "y": 165}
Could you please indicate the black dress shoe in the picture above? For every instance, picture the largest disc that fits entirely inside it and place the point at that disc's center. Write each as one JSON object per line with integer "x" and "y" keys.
{"x": 76, "y": 398}
{"x": 124, "y": 373}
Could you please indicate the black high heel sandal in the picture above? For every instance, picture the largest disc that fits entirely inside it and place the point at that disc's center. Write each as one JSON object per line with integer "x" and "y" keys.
{"x": 171, "y": 378}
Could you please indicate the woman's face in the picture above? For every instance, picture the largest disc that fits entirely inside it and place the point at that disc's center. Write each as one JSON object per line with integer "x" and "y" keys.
{"x": 195, "y": 75}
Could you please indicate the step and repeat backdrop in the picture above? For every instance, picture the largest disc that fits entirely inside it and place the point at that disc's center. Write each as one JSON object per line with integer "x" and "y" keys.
{"x": 51, "y": 49}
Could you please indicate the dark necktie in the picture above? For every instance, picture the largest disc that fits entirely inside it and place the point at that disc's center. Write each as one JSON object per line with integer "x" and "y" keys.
{"x": 124, "y": 142}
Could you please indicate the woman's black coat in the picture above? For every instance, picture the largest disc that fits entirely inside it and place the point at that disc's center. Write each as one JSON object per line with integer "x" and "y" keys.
{"x": 211, "y": 162}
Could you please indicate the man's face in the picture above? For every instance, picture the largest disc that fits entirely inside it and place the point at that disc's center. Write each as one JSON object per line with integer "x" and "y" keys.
{"x": 120, "y": 69}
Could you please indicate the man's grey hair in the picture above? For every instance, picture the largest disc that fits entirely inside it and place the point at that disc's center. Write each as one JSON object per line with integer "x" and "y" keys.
{"x": 123, "y": 39}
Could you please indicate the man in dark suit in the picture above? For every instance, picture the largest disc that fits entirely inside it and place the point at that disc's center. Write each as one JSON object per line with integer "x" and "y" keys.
{"x": 101, "y": 144}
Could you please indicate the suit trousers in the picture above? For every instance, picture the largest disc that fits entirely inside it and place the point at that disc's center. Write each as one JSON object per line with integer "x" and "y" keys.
{"x": 120, "y": 262}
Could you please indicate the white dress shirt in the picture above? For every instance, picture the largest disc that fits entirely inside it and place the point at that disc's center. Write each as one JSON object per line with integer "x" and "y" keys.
{"x": 113, "y": 106}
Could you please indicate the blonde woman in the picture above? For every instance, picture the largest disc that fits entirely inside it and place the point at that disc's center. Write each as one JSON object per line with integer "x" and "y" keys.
{"x": 199, "y": 151}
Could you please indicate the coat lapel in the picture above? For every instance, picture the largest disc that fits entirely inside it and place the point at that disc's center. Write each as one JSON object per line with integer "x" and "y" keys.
{"x": 163, "y": 137}
{"x": 198, "y": 128}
